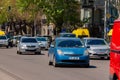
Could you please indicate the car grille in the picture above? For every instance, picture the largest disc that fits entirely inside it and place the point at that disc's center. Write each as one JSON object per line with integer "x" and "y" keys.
{"x": 100, "y": 50}
{"x": 31, "y": 50}
{"x": 100, "y": 54}
{"x": 73, "y": 54}
{"x": 31, "y": 46}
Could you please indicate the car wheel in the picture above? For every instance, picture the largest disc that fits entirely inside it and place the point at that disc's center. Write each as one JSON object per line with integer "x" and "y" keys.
{"x": 54, "y": 62}
{"x": 38, "y": 53}
{"x": 19, "y": 52}
{"x": 7, "y": 46}
{"x": 87, "y": 65}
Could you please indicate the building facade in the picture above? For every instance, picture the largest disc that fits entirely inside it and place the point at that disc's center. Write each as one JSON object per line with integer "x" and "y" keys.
{"x": 102, "y": 14}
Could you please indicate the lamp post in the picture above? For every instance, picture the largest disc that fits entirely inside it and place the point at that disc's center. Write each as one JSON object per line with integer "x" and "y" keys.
{"x": 105, "y": 19}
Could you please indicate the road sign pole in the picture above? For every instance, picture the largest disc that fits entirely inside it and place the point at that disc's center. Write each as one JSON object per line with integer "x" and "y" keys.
{"x": 105, "y": 19}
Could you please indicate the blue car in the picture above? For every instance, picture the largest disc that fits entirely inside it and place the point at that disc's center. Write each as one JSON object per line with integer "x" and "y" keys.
{"x": 69, "y": 51}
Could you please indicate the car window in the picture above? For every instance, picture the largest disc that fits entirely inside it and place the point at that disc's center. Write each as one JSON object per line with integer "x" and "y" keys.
{"x": 29, "y": 40}
{"x": 95, "y": 42}
{"x": 70, "y": 43}
{"x": 67, "y": 35}
{"x": 3, "y": 37}
{"x": 42, "y": 39}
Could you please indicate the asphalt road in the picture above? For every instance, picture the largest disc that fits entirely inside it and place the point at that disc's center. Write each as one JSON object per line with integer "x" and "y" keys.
{"x": 35, "y": 67}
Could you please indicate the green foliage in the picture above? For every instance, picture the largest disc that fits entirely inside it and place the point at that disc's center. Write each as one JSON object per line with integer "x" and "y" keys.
{"x": 57, "y": 11}
{"x": 63, "y": 12}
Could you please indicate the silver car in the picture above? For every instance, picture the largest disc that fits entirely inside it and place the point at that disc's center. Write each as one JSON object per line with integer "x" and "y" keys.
{"x": 4, "y": 41}
{"x": 28, "y": 44}
{"x": 97, "y": 47}
{"x": 43, "y": 42}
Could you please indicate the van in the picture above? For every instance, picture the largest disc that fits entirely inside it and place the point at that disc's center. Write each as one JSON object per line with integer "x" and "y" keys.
{"x": 115, "y": 52}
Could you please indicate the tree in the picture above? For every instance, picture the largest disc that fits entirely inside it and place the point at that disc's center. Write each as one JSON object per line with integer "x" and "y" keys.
{"x": 63, "y": 12}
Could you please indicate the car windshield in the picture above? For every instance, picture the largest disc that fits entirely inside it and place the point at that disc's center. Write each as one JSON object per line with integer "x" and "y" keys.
{"x": 42, "y": 39}
{"x": 95, "y": 42}
{"x": 29, "y": 40}
{"x": 70, "y": 43}
{"x": 3, "y": 37}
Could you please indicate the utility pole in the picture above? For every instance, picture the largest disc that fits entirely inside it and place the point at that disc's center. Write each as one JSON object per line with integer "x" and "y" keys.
{"x": 105, "y": 19}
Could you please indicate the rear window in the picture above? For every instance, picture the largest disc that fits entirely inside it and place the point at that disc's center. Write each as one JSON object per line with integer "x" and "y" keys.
{"x": 29, "y": 40}
{"x": 42, "y": 39}
{"x": 67, "y": 35}
{"x": 3, "y": 37}
{"x": 70, "y": 43}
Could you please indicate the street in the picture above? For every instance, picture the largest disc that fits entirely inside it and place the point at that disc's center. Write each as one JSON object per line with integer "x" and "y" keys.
{"x": 35, "y": 67}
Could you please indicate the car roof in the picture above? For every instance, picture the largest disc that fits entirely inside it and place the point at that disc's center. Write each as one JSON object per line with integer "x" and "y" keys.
{"x": 68, "y": 38}
{"x": 27, "y": 37}
{"x": 65, "y": 33}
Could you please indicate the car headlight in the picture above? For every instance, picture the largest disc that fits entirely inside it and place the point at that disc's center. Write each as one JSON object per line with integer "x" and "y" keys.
{"x": 91, "y": 51}
{"x": 23, "y": 46}
{"x": 86, "y": 52}
{"x": 108, "y": 50}
{"x": 59, "y": 52}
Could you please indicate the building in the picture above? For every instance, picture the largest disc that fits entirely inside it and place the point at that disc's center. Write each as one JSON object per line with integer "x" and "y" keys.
{"x": 101, "y": 14}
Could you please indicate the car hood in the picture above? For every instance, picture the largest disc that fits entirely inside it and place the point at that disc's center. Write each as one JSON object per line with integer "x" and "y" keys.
{"x": 29, "y": 43}
{"x": 72, "y": 50}
{"x": 99, "y": 47}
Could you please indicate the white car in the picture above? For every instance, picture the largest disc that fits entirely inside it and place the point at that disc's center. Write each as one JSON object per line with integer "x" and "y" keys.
{"x": 4, "y": 41}
{"x": 97, "y": 47}
{"x": 27, "y": 45}
{"x": 43, "y": 42}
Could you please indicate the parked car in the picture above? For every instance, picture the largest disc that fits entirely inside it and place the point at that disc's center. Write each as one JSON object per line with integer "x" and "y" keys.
{"x": 69, "y": 51}
{"x": 4, "y": 41}
{"x": 43, "y": 42}
{"x": 97, "y": 47}
{"x": 66, "y": 35}
{"x": 28, "y": 44}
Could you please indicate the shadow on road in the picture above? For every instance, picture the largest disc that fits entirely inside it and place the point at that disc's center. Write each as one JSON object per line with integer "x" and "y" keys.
{"x": 76, "y": 66}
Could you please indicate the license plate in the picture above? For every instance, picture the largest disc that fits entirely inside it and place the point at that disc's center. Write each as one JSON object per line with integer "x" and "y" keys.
{"x": 74, "y": 58}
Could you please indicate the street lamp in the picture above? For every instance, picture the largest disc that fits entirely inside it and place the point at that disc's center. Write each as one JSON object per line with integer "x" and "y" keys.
{"x": 105, "y": 19}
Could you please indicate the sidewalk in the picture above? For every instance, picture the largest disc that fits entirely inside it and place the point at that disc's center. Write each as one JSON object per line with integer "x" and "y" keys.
{"x": 4, "y": 76}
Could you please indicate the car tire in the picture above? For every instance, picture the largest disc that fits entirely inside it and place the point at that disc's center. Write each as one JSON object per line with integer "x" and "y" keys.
{"x": 19, "y": 52}
{"x": 7, "y": 46}
{"x": 37, "y": 53}
{"x": 87, "y": 65}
